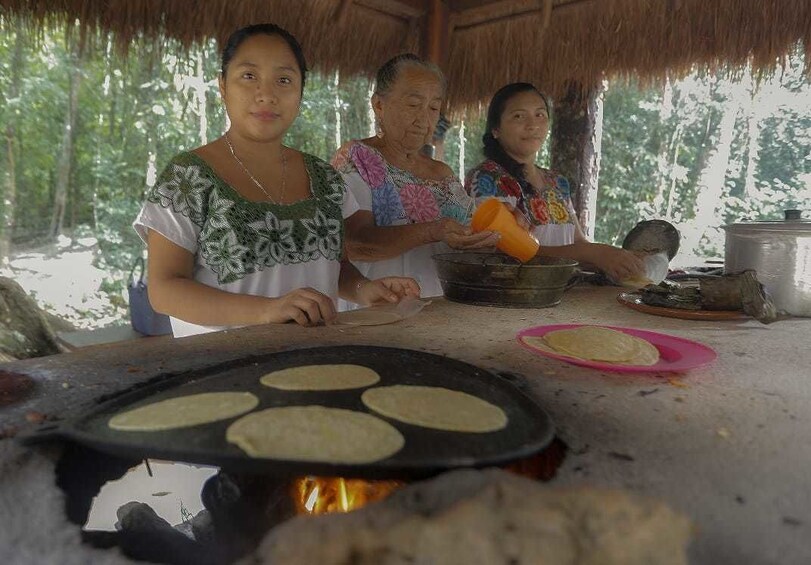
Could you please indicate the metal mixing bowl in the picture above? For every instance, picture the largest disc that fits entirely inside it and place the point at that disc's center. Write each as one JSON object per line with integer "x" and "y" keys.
{"x": 493, "y": 279}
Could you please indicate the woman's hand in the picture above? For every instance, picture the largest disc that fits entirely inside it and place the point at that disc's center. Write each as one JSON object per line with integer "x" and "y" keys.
{"x": 387, "y": 289}
{"x": 305, "y": 306}
{"x": 618, "y": 264}
{"x": 460, "y": 237}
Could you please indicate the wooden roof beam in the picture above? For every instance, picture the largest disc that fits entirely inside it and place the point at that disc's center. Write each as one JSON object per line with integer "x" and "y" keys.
{"x": 402, "y": 9}
{"x": 510, "y": 9}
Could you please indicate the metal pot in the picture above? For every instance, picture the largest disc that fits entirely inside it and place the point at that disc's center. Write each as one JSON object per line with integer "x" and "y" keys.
{"x": 492, "y": 279}
{"x": 780, "y": 252}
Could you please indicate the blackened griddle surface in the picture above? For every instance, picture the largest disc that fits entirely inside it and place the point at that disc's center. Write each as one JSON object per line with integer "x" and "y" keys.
{"x": 426, "y": 451}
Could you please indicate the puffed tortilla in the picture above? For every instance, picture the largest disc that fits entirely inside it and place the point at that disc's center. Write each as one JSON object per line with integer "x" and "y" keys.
{"x": 368, "y": 317}
{"x": 184, "y": 411}
{"x": 435, "y": 407}
{"x": 321, "y": 377}
{"x": 597, "y": 344}
{"x": 316, "y": 434}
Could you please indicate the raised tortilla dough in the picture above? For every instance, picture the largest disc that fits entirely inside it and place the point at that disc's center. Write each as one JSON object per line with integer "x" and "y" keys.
{"x": 184, "y": 411}
{"x": 315, "y": 433}
{"x": 321, "y": 377}
{"x": 435, "y": 407}
{"x": 597, "y": 344}
{"x": 368, "y": 317}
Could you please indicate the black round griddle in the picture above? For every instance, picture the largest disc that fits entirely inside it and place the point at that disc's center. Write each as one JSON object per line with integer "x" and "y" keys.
{"x": 426, "y": 451}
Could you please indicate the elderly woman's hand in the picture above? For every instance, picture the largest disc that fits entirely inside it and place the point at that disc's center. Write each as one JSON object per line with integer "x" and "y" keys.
{"x": 460, "y": 237}
{"x": 387, "y": 289}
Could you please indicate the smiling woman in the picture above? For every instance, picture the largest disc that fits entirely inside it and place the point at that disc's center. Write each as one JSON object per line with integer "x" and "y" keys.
{"x": 517, "y": 126}
{"x": 245, "y": 230}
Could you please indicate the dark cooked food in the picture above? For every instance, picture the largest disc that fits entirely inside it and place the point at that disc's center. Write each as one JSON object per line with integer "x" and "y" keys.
{"x": 740, "y": 291}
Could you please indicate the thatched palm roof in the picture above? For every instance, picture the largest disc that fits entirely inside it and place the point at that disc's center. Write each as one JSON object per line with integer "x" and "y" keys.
{"x": 487, "y": 43}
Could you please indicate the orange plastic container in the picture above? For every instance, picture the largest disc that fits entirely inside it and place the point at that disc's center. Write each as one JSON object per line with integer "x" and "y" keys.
{"x": 493, "y": 215}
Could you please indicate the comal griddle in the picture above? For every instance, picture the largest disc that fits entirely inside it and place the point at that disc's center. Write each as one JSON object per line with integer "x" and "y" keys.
{"x": 426, "y": 451}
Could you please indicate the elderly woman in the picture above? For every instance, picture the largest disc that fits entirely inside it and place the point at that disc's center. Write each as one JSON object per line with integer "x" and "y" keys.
{"x": 411, "y": 206}
{"x": 517, "y": 126}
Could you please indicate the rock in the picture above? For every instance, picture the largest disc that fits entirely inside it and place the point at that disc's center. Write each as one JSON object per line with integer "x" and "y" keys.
{"x": 24, "y": 330}
{"x": 486, "y": 517}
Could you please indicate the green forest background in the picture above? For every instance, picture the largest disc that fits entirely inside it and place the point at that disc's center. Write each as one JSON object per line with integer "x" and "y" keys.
{"x": 85, "y": 132}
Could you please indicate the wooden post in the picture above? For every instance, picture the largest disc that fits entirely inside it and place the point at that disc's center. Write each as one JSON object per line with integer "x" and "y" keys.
{"x": 576, "y": 139}
{"x": 435, "y": 47}
{"x": 436, "y": 35}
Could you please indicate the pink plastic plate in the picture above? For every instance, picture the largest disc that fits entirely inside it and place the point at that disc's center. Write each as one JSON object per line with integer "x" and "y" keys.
{"x": 675, "y": 354}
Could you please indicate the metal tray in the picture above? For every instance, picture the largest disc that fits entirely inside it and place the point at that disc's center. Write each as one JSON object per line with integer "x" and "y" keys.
{"x": 426, "y": 452}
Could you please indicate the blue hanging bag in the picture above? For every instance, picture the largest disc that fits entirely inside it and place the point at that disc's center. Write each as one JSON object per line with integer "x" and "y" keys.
{"x": 143, "y": 317}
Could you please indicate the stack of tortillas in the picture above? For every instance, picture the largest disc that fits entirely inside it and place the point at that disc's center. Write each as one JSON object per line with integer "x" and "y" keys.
{"x": 592, "y": 343}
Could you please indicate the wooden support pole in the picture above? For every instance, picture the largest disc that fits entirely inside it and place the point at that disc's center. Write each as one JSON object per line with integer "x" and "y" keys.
{"x": 435, "y": 48}
{"x": 436, "y": 35}
{"x": 576, "y": 140}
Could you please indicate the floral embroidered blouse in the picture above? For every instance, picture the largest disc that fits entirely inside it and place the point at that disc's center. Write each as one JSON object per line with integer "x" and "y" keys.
{"x": 246, "y": 247}
{"x": 397, "y": 197}
{"x": 549, "y": 208}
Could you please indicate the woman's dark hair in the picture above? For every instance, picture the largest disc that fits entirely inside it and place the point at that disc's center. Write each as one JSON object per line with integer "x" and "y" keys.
{"x": 493, "y": 149}
{"x": 239, "y": 36}
{"x": 387, "y": 74}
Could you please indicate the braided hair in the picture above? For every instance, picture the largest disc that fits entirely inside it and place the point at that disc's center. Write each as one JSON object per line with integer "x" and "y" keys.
{"x": 493, "y": 149}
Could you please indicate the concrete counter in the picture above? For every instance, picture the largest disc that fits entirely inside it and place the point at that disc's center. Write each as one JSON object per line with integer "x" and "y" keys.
{"x": 729, "y": 444}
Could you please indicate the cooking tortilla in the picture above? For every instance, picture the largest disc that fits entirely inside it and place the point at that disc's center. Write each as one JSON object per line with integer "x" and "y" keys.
{"x": 321, "y": 377}
{"x": 184, "y": 411}
{"x": 368, "y": 317}
{"x": 435, "y": 407}
{"x": 315, "y": 433}
{"x": 597, "y": 344}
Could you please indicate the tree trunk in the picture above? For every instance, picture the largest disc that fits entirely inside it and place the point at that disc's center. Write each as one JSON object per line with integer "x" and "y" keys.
{"x": 576, "y": 141}
{"x": 200, "y": 89}
{"x": 337, "y": 110}
{"x": 711, "y": 182}
{"x": 10, "y": 196}
{"x": 753, "y": 153}
{"x": 671, "y": 197}
{"x": 663, "y": 164}
{"x": 66, "y": 155}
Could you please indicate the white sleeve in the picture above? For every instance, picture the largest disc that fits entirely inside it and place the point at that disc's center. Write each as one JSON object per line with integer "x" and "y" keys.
{"x": 360, "y": 191}
{"x": 176, "y": 227}
{"x": 350, "y": 204}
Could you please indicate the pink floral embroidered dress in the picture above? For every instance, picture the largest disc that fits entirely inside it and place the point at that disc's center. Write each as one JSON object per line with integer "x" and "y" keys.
{"x": 397, "y": 197}
{"x": 548, "y": 208}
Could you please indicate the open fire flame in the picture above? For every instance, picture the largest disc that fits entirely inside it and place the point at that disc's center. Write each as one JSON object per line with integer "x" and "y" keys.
{"x": 326, "y": 495}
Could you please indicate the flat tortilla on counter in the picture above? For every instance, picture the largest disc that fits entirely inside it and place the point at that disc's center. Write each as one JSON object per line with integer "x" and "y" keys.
{"x": 597, "y": 344}
{"x": 435, "y": 407}
{"x": 184, "y": 411}
{"x": 315, "y": 433}
{"x": 321, "y": 377}
{"x": 368, "y": 317}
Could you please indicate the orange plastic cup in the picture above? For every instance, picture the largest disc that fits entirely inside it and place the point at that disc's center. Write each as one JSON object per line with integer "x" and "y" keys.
{"x": 493, "y": 215}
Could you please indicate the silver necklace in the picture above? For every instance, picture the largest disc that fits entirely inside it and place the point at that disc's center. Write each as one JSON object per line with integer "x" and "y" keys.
{"x": 256, "y": 182}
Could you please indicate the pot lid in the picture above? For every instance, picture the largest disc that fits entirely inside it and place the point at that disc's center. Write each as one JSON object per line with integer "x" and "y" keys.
{"x": 791, "y": 226}
{"x": 793, "y": 223}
